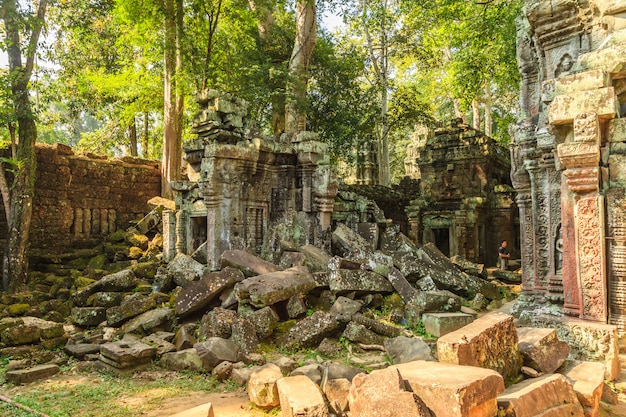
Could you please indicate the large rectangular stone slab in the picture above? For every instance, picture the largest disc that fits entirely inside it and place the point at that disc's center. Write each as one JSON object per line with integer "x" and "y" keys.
{"x": 348, "y": 280}
{"x": 199, "y": 294}
{"x": 489, "y": 342}
{"x": 300, "y": 397}
{"x": 546, "y": 396}
{"x": 566, "y": 107}
{"x": 454, "y": 390}
{"x": 248, "y": 263}
{"x": 268, "y": 289}
{"x": 440, "y": 324}
{"x": 25, "y": 376}
{"x": 126, "y": 354}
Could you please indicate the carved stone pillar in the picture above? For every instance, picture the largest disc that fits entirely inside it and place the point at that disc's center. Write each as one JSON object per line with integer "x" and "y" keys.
{"x": 616, "y": 199}
{"x": 581, "y": 158}
{"x": 414, "y": 213}
{"x": 541, "y": 224}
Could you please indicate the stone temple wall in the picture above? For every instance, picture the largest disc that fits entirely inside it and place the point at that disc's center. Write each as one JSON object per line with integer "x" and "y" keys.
{"x": 79, "y": 199}
{"x": 568, "y": 156}
{"x": 466, "y": 203}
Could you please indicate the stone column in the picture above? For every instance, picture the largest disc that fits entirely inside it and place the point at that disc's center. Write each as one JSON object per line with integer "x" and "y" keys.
{"x": 414, "y": 213}
{"x": 581, "y": 158}
{"x": 541, "y": 224}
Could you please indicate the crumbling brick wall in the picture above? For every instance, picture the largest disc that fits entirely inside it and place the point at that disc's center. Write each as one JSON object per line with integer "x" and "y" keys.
{"x": 80, "y": 199}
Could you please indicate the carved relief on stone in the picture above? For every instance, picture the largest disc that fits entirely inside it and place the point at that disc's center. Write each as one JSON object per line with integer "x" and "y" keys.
{"x": 587, "y": 128}
{"x": 524, "y": 203}
{"x": 589, "y": 240}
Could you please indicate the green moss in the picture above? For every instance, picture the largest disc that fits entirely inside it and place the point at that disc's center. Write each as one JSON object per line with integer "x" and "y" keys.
{"x": 18, "y": 309}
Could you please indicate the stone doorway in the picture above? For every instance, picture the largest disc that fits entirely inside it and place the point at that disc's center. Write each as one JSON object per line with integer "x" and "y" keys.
{"x": 441, "y": 238}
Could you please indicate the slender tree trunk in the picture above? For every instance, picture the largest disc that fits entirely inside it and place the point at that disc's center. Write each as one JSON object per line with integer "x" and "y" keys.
{"x": 457, "y": 109}
{"x": 171, "y": 163}
{"x": 145, "y": 142}
{"x": 488, "y": 111}
{"x": 132, "y": 138}
{"x": 476, "y": 114}
{"x": 15, "y": 261}
{"x": 295, "y": 115}
{"x": 5, "y": 192}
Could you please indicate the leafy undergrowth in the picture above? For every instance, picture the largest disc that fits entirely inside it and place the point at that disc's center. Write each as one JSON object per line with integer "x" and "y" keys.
{"x": 100, "y": 395}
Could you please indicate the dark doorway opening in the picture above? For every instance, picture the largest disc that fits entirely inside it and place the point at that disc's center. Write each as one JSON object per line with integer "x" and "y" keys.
{"x": 442, "y": 240}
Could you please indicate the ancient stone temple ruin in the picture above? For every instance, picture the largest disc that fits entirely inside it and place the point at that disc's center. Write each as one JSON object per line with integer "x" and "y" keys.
{"x": 237, "y": 186}
{"x": 569, "y": 156}
{"x": 466, "y": 205}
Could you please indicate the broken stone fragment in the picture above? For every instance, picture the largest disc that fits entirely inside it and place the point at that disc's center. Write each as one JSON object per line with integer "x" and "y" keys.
{"x": 262, "y": 389}
{"x": 198, "y": 295}
{"x": 546, "y": 396}
{"x": 300, "y": 397}
{"x": 587, "y": 379}
{"x": 541, "y": 349}
{"x": 404, "y": 349}
{"x": 28, "y": 375}
{"x": 439, "y": 324}
{"x": 430, "y": 301}
{"x": 340, "y": 371}
{"x": 401, "y": 285}
{"x": 184, "y": 270}
{"x": 337, "y": 392}
{"x": 244, "y": 335}
{"x": 268, "y": 289}
{"x": 104, "y": 299}
{"x": 162, "y": 346}
{"x": 346, "y": 242}
{"x": 248, "y": 263}
{"x": 344, "y": 308}
{"x": 357, "y": 333}
{"x": 311, "y": 371}
{"x": 453, "y": 390}
{"x": 187, "y": 359}
{"x": 310, "y": 331}
{"x": 383, "y": 394}
{"x": 216, "y": 350}
{"x": 184, "y": 338}
{"x": 469, "y": 267}
{"x": 81, "y": 350}
{"x": 217, "y": 323}
{"x": 296, "y": 306}
{"x": 488, "y": 342}
{"x": 265, "y": 321}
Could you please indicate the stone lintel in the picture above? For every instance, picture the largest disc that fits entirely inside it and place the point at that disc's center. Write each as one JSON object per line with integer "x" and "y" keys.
{"x": 566, "y": 107}
{"x": 579, "y": 154}
{"x": 611, "y": 59}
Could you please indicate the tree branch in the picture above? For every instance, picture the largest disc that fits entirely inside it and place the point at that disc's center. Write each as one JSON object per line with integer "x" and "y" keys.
{"x": 34, "y": 38}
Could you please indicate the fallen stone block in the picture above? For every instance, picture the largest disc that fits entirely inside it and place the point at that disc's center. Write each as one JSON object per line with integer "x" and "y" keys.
{"x": 357, "y": 333}
{"x": 126, "y": 354}
{"x": 262, "y": 389}
{"x": 300, "y": 397}
{"x": 311, "y": 371}
{"x": 290, "y": 259}
{"x": 340, "y": 371}
{"x": 346, "y": 242}
{"x": 383, "y": 394}
{"x": 343, "y": 308}
{"x": 217, "y": 323}
{"x": 406, "y": 291}
{"x": 454, "y": 390}
{"x": 337, "y": 392}
{"x": 204, "y": 410}
{"x": 81, "y": 350}
{"x": 187, "y": 359}
{"x": 215, "y": 350}
{"x": 28, "y": 375}
{"x": 159, "y": 319}
{"x": 265, "y": 321}
{"x": 587, "y": 379}
{"x": 488, "y": 342}
{"x": 310, "y": 331}
{"x": 105, "y": 299}
{"x": 119, "y": 314}
{"x": 240, "y": 376}
{"x": 184, "y": 337}
{"x": 244, "y": 335}
{"x": 268, "y": 289}
{"x": 285, "y": 364}
{"x": 248, "y": 263}
{"x": 88, "y": 316}
{"x": 198, "y": 295}
{"x": 404, "y": 349}
{"x": 546, "y": 396}
{"x": 469, "y": 267}
{"x": 296, "y": 306}
{"x": 541, "y": 349}
{"x": 162, "y": 346}
{"x": 184, "y": 270}
{"x": 316, "y": 259}
{"x": 21, "y": 334}
{"x": 439, "y": 324}
{"x": 347, "y": 280}
{"x": 120, "y": 281}
{"x": 430, "y": 301}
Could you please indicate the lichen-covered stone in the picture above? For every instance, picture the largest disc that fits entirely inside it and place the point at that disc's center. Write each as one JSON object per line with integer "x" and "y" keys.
{"x": 216, "y": 350}
{"x": 119, "y": 314}
{"x": 198, "y": 295}
{"x": 310, "y": 331}
{"x": 270, "y": 288}
{"x": 88, "y": 316}
{"x": 346, "y": 280}
{"x": 217, "y": 323}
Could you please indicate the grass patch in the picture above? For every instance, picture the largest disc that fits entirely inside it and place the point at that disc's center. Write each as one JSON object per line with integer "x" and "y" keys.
{"x": 101, "y": 395}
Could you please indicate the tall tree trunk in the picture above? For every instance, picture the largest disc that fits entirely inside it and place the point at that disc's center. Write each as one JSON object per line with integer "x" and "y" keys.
{"x": 171, "y": 163}
{"x": 145, "y": 141}
{"x": 15, "y": 261}
{"x": 475, "y": 114}
{"x": 295, "y": 116}
{"x": 5, "y": 192}
{"x": 488, "y": 111}
{"x": 132, "y": 138}
{"x": 265, "y": 23}
{"x": 457, "y": 109}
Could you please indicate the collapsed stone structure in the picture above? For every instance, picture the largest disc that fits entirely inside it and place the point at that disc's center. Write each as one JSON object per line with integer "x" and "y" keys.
{"x": 466, "y": 203}
{"x": 238, "y": 186}
{"x": 568, "y": 156}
